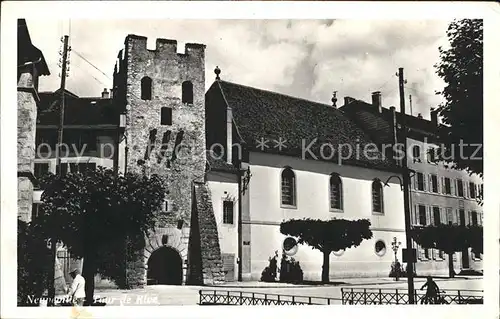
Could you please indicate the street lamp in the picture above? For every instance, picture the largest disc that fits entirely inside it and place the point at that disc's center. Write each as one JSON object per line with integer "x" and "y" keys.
{"x": 395, "y": 247}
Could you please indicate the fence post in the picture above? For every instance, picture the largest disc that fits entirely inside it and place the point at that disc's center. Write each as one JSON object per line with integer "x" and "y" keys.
{"x": 227, "y": 300}
{"x": 279, "y": 303}
{"x": 342, "y": 294}
{"x": 241, "y": 297}
{"x": 364, "y": 296}
{"x": 215, "y": 296}
{"x": 265, "y": 299}
{"x": 200, "y": 296}
{"x": 352, "y": 296}
{"x": 329, "y": 300}
{"x": 293, "y": 300}
{"x": 397, "y": 297}
{"x": 310, "y": 301}
{"x": 253, "y": 298}
{"x": 380, "y": 296}
{"x": 459, "y": 301}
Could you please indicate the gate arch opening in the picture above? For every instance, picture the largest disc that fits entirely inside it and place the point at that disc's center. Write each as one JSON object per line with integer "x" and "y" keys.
{"x": 164, "y": 267}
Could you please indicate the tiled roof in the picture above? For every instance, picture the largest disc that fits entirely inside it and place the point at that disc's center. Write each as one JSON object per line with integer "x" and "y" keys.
{"x": 217, "y": 164}
{"x": 27, "y": 52}
{"x": 260, "y": 114}
{"x": 77, "y": 110}
{"x": 378, "y": 124}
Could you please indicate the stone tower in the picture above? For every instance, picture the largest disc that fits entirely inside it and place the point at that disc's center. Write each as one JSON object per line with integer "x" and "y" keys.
{"x": 163, "y": 92}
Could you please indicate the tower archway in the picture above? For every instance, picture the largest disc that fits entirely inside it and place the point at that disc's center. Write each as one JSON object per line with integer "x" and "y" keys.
{"x": 164, "y": 267}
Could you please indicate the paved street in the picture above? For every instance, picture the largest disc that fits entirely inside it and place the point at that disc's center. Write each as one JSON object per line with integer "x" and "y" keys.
{"x": 189, "y": 295}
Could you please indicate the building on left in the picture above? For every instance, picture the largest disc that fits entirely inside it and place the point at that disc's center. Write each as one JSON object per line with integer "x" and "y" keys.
{"x": 31, "y": 65}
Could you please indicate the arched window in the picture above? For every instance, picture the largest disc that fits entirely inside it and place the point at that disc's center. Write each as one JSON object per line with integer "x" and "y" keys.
{"x": 288, "y": 187}
{"x": 377, "y": 197}
{"x": 335, "y": 192}
{"x": 187, "y": 92}
{"x": 146, "y": 88}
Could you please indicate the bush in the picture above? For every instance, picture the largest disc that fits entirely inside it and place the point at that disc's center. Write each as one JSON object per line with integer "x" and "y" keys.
{"x": 402, "y": 272}
{"x": 33, "y": 265}
{"x": 290, "y": 271}
{"x": 269, "y": 273}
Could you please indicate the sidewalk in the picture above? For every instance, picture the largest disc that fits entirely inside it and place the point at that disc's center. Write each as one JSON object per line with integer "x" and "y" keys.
{"x": 337, "y": 282}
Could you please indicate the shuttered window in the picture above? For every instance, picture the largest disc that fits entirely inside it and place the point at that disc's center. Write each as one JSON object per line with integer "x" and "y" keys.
{"x": 377, "y": 197}
{"x": 420, "y": 182}
{"x": 228, "y": 212}
{"x": 436, "y": 214}
{"x": 460, "y": 188}
{"x": 422, "y": 215}
{"x": 288, "y": 187}
{"x": 335, "y": 192}
{"x": 447, "y": 186}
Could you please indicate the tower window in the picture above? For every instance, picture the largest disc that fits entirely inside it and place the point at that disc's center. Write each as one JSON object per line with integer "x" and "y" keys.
{"x": 187, "y": 92}
{"x": 166, "y": 116}
{"x": 146, "y": 88}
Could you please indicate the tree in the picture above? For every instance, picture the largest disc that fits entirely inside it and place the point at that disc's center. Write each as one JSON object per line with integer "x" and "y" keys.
{"x": 328, "y": 236}
{"x": 450, "y": 239}
{"x": 94, "y": 213}
{"x": 33, "y": 264}
{"x": 461, "y": 68}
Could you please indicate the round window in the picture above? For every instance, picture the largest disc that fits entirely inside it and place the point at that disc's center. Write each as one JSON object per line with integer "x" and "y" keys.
{"x": 339, "y": 252}
{"x": 289, "y": 243}
{"x": 380, "y": 248}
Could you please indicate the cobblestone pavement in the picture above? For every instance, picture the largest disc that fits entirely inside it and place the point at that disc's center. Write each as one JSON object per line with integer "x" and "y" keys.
{"x": 189, "y": 295}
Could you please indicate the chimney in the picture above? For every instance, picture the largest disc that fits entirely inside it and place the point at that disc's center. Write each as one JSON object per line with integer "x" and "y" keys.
{"x": 105, "y": 94}
{"x": 348, "y": 100}
{"x": 419, "y": 115}
{"x": 377, "y": 100}
{"x": 434, "y": 116}
{"x": 334, "y": 99}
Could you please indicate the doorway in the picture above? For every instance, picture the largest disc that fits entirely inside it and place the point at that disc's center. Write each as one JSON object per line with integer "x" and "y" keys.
{"x": 164, "y": 267}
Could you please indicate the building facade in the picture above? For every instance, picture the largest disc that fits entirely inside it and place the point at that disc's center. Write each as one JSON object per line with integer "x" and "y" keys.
{"x": 282, "y": 146}
{"x": 438, "y": 194}
{"x": 30, "y": 66}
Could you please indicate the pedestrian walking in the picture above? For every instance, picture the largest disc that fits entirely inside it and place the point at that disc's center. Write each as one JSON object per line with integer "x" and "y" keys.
{"x": 77, "y": 290}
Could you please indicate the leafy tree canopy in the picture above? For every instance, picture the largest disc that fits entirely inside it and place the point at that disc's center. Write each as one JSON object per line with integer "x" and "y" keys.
{"x": 329, "y": 235}
{"x": 449, "y": 238}
{"x": 461, "y": 68}
{"x": 95, "y": 208}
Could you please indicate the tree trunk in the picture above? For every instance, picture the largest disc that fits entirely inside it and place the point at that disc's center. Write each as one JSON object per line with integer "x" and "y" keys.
{"x": 325, "y": 274}
{"x": 89, "y": 271}
{"x": 451, "y": 271}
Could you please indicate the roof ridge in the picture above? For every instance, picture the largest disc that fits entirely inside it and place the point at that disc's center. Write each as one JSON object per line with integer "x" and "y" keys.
{"x": 282, "y": 94}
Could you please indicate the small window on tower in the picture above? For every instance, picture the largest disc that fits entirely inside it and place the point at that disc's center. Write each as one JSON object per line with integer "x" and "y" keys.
{"x": 166, "y": 116}
{"x": 146, "y": 88}
{"x": 187, "y": 92}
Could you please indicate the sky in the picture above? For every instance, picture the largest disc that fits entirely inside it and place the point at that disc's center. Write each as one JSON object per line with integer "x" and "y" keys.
{"x": 304, "y": 58}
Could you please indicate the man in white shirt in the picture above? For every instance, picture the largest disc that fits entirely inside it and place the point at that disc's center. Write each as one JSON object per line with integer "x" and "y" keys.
{"x": 77, "y": 290}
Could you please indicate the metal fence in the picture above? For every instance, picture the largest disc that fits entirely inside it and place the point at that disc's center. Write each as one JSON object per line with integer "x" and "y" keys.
{"x": 374, "y": 296}
{"x": 226, "y": 297}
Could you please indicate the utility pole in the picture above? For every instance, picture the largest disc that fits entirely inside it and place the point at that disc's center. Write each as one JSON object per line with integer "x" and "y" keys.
{"x": 411, "y": 110}
{"x": 61, "y": 106}
{"x": 406, "y": 191}
{"x": 53, "y": 248}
